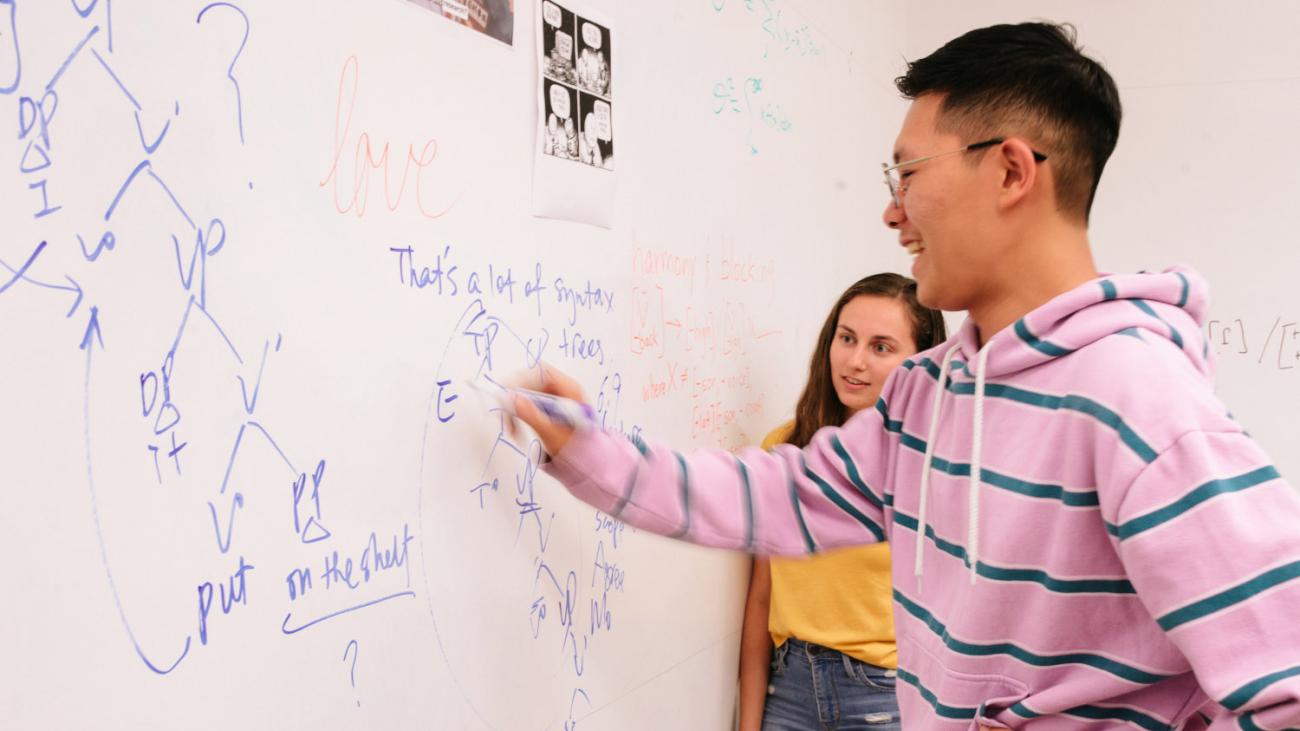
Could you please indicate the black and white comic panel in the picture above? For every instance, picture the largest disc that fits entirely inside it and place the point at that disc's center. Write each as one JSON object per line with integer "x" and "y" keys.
{"x": 594, "y": 58}
{"x": 557, "y": 43}
{"x": 596, "y": 139}
{"x": 560, "y": 138}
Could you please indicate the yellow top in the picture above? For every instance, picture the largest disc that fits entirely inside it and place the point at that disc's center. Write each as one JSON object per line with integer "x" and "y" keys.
{"x": 841, "y": 599}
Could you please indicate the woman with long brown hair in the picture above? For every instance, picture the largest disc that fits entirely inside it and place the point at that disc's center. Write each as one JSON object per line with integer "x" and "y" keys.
{"x": 829, "y": 617}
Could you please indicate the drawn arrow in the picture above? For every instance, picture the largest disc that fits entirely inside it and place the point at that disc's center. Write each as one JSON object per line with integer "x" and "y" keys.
{"x": 92, "y": 331}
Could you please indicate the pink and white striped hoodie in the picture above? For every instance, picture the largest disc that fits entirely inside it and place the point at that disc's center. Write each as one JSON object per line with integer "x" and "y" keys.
{"x": 1082, "y": 535}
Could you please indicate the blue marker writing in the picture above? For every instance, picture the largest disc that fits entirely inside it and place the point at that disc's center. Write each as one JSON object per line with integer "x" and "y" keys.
{"x": 557, "y": 409}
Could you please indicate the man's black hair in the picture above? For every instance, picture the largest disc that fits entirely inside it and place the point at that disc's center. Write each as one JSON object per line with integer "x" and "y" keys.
{"x": 1029, "y": 80}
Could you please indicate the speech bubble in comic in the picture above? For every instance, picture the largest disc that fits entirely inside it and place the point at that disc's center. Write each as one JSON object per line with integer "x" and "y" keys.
{"x": 604, "y": 125}
{"x": 591, "y": 35}
{"x": 560, "y": 102}
{"x": 551, "y": 13}
{"x": 564, "y": 43}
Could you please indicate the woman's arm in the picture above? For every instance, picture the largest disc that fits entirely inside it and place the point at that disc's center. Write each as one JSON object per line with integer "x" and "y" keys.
{"x": 755, "y": 647}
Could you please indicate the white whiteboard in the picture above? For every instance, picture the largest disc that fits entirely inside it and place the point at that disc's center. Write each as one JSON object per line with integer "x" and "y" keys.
{"x": 731, "y": 236}
{"x": 296, "y": 358}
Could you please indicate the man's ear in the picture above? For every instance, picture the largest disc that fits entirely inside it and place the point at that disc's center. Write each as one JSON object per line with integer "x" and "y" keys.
{"x": 1019, "y": 171}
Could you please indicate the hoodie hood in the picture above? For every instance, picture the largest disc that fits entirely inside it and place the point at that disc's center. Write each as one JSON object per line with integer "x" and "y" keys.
{"x": 1168, "y": 306}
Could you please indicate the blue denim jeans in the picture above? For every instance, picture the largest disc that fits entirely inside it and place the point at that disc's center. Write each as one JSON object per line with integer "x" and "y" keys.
{"x": 815, "y": 687}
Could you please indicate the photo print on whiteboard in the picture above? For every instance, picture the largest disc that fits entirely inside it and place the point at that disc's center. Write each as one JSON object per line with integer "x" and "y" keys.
{"x": 558, "y": 51}
{"x": 596, "y": 132}
{"x": 560, "y": 135}
{"x": 573, "y": 176}
{"x": 593, "y": 63}
{"x": 495, "y": 18}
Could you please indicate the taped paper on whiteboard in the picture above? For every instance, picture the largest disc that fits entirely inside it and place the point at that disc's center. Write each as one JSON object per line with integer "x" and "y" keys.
{"x": 495, "y": 18}
{"x": 574, "y": 172}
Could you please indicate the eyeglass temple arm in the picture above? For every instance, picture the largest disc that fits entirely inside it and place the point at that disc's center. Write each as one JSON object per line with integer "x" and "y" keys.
{"x": 1038, "y": 156}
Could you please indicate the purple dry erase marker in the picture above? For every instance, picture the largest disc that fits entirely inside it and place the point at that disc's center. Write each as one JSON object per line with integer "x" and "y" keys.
{"x": 558, "y": 410}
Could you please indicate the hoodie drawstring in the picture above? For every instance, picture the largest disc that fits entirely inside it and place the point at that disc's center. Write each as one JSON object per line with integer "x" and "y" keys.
{"x": 976, "y": 448}
{"x": 945, "y": 368}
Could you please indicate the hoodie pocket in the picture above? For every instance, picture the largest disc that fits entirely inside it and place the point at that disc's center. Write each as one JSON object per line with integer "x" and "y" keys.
{"x": 954, "y": 695}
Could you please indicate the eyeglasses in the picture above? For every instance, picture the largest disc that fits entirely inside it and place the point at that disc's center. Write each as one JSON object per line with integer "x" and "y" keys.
{"x": 895, "y": 183}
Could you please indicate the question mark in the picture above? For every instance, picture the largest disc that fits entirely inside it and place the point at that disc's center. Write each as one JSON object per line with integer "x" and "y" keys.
{"x": 354, "y": 648}
{"x": 230, "y": 71}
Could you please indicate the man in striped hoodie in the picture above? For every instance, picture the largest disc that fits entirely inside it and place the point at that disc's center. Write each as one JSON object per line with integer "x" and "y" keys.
{"x": 1082, "y": 536}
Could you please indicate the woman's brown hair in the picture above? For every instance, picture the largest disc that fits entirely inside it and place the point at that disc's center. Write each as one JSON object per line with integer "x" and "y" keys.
{"x": 818, "y": 405}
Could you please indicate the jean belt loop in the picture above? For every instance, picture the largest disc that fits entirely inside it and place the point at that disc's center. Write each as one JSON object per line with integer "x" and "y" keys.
{"x": 780, "y": 652}
{"x": 848, "y": 665}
